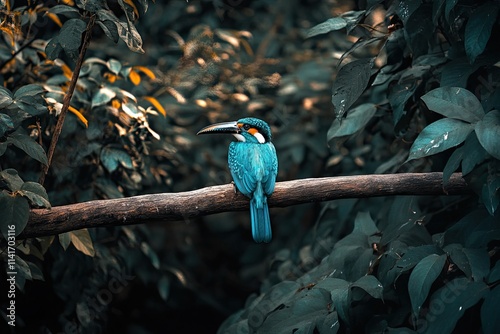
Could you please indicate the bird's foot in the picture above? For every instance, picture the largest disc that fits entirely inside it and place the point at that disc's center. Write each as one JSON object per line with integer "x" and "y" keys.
{"x": 234, "y": 187}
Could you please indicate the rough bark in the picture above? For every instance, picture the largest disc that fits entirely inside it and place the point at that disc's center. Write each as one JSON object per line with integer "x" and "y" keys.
{"x": 167, "y": 207}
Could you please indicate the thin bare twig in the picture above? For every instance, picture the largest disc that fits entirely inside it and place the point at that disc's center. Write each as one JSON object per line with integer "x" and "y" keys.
{"x": 67, "y": 98}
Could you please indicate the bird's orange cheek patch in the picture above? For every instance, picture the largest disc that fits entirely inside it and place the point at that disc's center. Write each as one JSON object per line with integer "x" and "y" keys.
{"x": 253, "y": 131}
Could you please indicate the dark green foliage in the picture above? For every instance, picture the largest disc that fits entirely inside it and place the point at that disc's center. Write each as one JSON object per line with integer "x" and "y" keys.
{"x": 414, "y": 88}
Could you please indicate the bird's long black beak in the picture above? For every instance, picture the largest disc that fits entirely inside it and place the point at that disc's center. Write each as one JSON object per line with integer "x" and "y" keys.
{"x": 226, "y": 127}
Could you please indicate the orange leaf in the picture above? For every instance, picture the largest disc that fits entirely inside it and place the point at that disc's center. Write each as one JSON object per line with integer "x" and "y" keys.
{"x": 79, "y": 115}
{"x": 131, "y": 4}
{"x": 65, "y": 68}
{"x": 146, "y": 71}
{"x": 54, "y": 18}
{"x": 134, "y": 77}
{"x": 156, "y": 104}
{"x": 111, "y": 77}
{"x": 116, "y": 103}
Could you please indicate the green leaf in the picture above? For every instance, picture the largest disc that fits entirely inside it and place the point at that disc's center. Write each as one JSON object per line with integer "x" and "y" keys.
{"x": 36, "y": 193}
{"x": 36, "y": 272}
{"x": 23, "y": 272}
{"x": 457, "y": 72}
{"x": 339, "y": 291}
{"x": 490, "y": 194}
{"x": 450, "y": 4}
{"x": 371, "y": 285}
{"x": 415, "y": 255}
{"x": 63, "y": 9}
{"x": 490, "y": 320}
{"x": 454, "y": 102}
{"x": 458, "y": 257}
{"x": 419, "y": 29}
{"x": 6, "y": 124}
{"x": 5, "y": 97}
{"x": 479, "y": 262}
{"x": 494, "y": 274}
{"x": 405, "y": 9}
{"x": 450, "y": 303}
{"x": 488, "y": 133}
{"x": 30, "y": 90}
{"x": 277, "y": 295}
{"x": 335, "y": 23}
{"x": 478, "y": 29}
{"x": 352, "y": 18}
{"x": 356, "y": 120}
{"x": 82, "y": 241}
{"x": 103, "y": 96}
{"x": 21, "y": 140}
{"x": 437, "y": 9}
{"x": 69, "y": 40}
{"x": 151, "y": 254}
{"x": 65, "y": 240}
{"x": 3, "y": 148}
{"x": 422, "y": 277}
{"x": 474, "y": 263}
{"x": 399, "y": 94}
{"x": 129, "y": 34}
{"x": 110, "y": 29}
{"x": 330, "y": 324}
{"x": 438, "y": 137}
{"x": 14, "y": 211}
{"x": 350, "y": 83}
{"x": 363, "y": 223}
{"x": 164, "y": 287}
{"x": 469, "y": 156}
{"x": 90, "y": 5}
{"x": 114, "y": 66}
{"x": 111, "y": 158}
{"x": 11, "y": 179}
{"x": 299, "y": 316}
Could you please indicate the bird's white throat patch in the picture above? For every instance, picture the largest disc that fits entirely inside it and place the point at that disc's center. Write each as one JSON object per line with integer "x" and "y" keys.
{"x": 260, "y": 138}
{"x": 239, "y": 137}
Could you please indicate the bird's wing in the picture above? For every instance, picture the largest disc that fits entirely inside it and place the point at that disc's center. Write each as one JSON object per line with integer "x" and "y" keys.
{"x": 242, "y": 168}
{"x": 271, "y": 160}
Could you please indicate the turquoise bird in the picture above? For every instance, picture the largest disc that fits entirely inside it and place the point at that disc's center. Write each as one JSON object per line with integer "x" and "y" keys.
{"x": 254, "y": 165}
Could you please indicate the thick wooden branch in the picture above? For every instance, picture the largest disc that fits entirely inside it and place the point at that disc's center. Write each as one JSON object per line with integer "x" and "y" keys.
{"x": 179, "y": 206}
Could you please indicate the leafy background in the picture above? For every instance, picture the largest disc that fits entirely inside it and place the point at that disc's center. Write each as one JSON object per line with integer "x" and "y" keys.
{"x": 348, "y": 87}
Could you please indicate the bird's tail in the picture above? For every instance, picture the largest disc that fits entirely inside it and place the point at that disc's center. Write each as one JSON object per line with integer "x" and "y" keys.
{"x": 259, "y": 215}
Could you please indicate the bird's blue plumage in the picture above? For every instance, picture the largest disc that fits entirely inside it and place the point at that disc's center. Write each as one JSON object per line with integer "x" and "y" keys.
{"x": 254, "y": 165}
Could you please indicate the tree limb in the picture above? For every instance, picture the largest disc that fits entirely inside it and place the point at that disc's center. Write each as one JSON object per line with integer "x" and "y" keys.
{"x": 67, "y": 98}
{"x": 179, "y": 206}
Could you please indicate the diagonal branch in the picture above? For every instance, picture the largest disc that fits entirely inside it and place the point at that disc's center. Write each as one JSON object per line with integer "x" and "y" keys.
{"x": 67, "y": 98}
{"x": 178, "y": 206}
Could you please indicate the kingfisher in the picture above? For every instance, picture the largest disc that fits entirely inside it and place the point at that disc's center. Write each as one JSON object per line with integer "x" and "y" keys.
{"x": 254, "y": 165}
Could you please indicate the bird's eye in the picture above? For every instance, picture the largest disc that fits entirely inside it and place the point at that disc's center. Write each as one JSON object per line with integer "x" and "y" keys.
{"x": 246, "y": 126}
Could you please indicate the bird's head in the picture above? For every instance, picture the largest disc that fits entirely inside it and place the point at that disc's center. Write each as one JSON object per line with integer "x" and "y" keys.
{"x": 248, "y": 129}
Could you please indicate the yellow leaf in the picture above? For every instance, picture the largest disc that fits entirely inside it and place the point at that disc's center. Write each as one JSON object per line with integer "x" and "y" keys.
{"x": 156, "y": 104}
{"x": 131, "y": 4}
{"x": 146, "y": 71}
{"x": 79, "y": 115}
{"x": 82, "y": 241}
{"x": 68, "y": 2}
{"x": 54, "y": 18}
{"x": 134, "y": 77}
